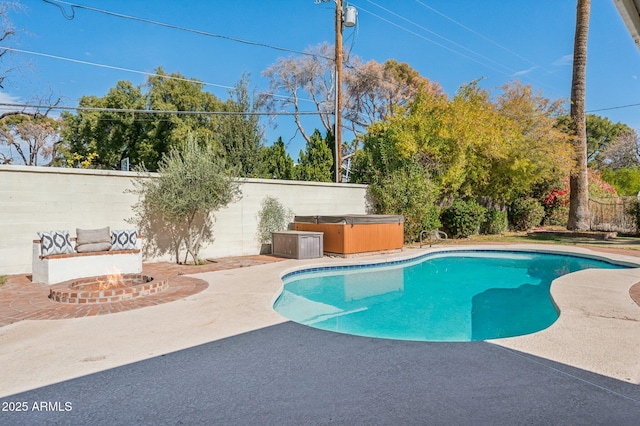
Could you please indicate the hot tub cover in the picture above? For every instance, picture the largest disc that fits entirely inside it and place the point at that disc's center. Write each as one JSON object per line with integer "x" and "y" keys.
{"x": 351, "y": 219}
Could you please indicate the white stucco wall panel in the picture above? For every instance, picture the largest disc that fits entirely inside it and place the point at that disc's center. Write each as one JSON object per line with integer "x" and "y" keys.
{"x": 36, "y": 199}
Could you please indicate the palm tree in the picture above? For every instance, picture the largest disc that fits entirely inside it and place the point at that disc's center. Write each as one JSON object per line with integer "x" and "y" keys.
{"x": 579, "y": 181}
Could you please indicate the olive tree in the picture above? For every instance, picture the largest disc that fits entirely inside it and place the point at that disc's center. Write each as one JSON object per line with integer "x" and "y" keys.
{"x": 176, "y": 208}
{"x": 272, "y": 217}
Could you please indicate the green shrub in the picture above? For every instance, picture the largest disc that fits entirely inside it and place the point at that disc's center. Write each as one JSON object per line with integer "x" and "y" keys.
{"x": 272, "y": 217}
{"x": 634, "y": 210}
{"x": 495, "y": 222}
{"x": 525, "y": 213}
{"x": 431, "y": 218}
{"x": 3, "y": 280}
{"x": 625, "y": 180}
{"x": 463, "y": 218}
{"x": 556, "y": 215}
{"x": 411, "y": 193}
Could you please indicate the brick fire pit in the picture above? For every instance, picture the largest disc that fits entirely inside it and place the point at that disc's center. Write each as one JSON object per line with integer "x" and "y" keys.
{"x": 102, "y": 290}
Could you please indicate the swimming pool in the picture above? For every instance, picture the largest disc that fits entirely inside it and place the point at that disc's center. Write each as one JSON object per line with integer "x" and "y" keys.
{"x": 443, "y": 296}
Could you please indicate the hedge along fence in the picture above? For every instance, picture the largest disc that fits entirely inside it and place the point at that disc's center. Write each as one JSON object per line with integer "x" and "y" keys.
{"x": 34, "y": 199}
{"x": 611, "y": 214}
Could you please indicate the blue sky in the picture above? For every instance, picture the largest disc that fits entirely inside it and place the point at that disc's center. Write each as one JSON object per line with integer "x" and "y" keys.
{"x": 450, "y": 42}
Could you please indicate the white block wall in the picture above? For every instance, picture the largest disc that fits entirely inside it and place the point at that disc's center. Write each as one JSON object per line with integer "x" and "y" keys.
{"x": 36, "y": 199}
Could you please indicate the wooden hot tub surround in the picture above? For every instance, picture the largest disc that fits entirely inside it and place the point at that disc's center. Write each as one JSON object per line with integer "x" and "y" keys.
{"x": 352, "y": 234}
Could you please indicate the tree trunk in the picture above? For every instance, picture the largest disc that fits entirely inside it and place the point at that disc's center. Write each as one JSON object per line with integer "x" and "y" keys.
{"x": 579, "y": 180}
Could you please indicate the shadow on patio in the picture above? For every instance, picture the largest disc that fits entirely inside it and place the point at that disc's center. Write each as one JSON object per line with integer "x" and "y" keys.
{"x": 292, "y": 374}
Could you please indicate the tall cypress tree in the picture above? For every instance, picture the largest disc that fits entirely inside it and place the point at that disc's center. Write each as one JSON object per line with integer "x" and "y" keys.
{"x": 316, "y": 161}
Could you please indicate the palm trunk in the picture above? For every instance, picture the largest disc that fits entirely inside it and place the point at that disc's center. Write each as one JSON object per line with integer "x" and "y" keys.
{"x": 579, "y": 181}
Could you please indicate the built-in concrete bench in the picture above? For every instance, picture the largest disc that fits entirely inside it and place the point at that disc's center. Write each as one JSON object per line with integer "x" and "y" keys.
{"x": 56, "y": 268}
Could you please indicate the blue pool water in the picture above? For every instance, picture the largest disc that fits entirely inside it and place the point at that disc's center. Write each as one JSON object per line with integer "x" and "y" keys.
{"x": 450, "y": 296}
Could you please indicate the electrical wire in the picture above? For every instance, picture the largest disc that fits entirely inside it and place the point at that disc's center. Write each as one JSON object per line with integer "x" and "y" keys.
{"x": 441, "y": 36}
{"x": 58, "y": 3}
{"x": 71, "y": 16}
{"x": 177, "y": 112}
{"x": 513, "y": 73}
{"x": 615, "y": 107}
{"x": 281, "y": 97}
{"x": 67, "y": 16}
{"x": 432, "y": 41}
{"x": 478, "y": 34}
{"x": 149, "y": 111}
{"x": 112, "y": 67}
{"x": 172, "y": 26}
{"x": 73, "y": 6}
{"x": 150, "y": 74}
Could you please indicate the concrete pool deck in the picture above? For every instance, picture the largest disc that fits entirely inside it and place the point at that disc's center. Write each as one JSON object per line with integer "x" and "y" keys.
{"x": 598, "y": 329}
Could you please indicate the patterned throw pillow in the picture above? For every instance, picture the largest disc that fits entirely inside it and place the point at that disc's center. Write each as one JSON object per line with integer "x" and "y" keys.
{"x": 55, "y": 242}
{"x": 123, "y": 239}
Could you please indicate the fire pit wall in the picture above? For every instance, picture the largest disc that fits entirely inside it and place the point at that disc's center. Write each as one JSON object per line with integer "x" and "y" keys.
{"x": 102, "y": 290}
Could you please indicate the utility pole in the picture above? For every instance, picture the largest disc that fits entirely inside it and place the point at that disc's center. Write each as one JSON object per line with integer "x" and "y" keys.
{"x": 338, "y": 111}
{"x": 337, "y": 130}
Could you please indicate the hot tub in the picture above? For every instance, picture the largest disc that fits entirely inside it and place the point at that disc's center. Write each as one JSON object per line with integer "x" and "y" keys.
{"x": 354, "y": 233}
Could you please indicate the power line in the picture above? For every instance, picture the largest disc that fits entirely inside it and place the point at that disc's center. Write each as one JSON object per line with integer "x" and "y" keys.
{"x": 150, "y": 74}
{"x": 513, "y": 74}
{"x": 431, "y": 41}
{"x": 615, "y": 107}
{"x": 171, "y": 26}
{"x": 167, "y": 76}
{"x": 113, "y": 67}
{"x": 73, "y": 6}
{"x": 440, "y": 36}
{"x": 478, "y": 34}
{"x": 71, "y": 16}
{"x": 149, "y": 111}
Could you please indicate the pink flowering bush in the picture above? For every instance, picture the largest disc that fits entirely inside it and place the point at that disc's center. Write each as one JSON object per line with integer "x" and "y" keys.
{"x": 598, "y": 187}
{"x": 556, "y": 203}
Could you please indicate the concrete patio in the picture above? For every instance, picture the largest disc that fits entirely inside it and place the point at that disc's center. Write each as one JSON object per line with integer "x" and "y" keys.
{"x": 223, "y": 355}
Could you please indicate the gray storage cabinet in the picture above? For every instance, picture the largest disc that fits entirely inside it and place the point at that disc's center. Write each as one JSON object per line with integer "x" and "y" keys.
{"x": 297, "y": 244}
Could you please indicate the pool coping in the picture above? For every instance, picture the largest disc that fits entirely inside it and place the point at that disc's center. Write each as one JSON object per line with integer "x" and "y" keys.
{"x": 598, "y": 329}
